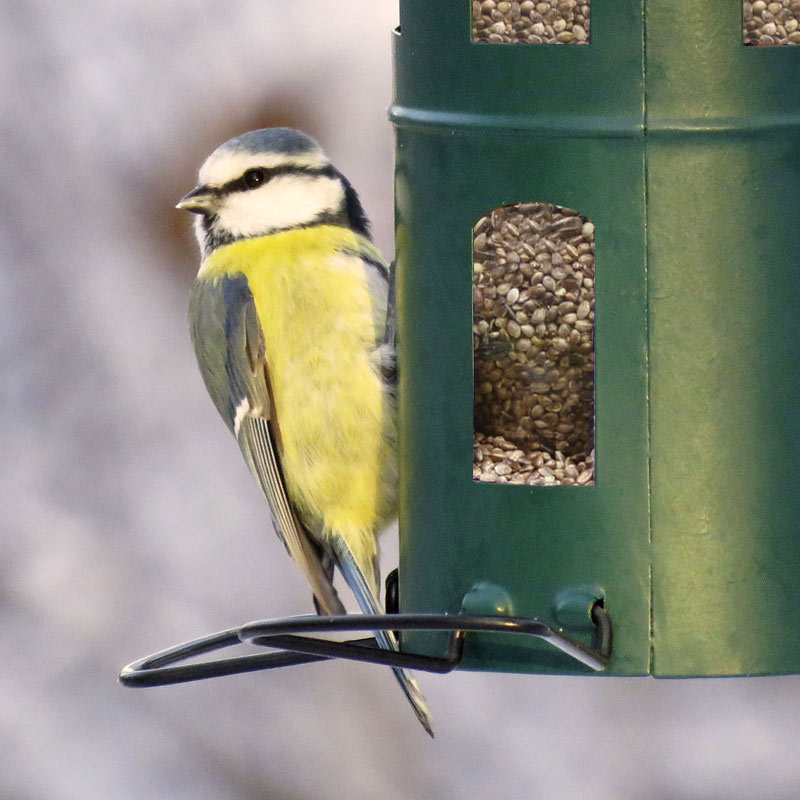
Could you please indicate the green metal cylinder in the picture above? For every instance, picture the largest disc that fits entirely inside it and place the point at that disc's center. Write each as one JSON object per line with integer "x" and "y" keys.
{"x": 682, "y": 146}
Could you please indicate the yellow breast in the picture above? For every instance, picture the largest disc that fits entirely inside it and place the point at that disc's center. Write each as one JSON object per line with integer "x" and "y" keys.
{"x": 321, "y": 326}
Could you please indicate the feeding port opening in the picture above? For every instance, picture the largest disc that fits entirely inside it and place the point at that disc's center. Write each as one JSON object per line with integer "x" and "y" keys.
{"x": 770, "y": 24}
{"x": 528, "y": 22}
{"x": 533, "y": 346}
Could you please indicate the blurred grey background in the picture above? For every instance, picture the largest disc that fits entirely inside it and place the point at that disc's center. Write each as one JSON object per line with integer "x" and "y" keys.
{"x": 129, "y": 522}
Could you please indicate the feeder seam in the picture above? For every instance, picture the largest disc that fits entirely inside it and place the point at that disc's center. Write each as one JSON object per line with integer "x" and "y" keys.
{"x": 646, "y": 254}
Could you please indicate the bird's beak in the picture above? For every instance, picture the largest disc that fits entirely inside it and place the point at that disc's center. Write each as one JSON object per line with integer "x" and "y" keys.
{"x": 201, "y": 200}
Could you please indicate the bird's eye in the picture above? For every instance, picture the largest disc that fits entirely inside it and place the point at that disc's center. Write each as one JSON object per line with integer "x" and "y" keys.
{"x": 254, "y": 177}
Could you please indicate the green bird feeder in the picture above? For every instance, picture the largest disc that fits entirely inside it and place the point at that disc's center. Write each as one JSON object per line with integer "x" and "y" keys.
{"x": 598, "y": 280}
{"x": 598, "y": 285}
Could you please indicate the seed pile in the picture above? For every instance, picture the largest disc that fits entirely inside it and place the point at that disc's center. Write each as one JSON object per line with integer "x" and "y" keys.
{"x": 528, "y": 22}
{"x": 533, "y": 342}
{"x": 772, "y": 23}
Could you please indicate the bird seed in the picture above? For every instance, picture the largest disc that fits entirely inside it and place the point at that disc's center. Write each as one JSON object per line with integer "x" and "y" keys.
{"x": 545, "y": 22}
{"x": 769, "y": 24}
{"x": 533, "y": 345}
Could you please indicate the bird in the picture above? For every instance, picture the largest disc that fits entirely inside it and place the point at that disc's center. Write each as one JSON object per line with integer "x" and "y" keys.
{"x": 291, "y": 317}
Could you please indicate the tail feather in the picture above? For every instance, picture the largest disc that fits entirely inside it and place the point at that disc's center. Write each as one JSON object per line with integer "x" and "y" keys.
{"x": 369, "y": 604}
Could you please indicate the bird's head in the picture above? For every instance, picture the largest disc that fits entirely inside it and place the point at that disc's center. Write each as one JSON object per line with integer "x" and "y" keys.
{"x": 266, "y": 181}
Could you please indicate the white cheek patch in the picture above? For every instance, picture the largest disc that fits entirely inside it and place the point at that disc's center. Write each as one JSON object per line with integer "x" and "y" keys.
{"x": 283, "y": 202}
{"x": 223, "y": 166}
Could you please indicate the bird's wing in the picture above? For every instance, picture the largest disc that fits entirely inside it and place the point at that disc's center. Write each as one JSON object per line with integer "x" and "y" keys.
{"x": 390, "y": 332}
{"x": 380, "y": 279}
{"x": 389, "y": 344}
{"x": 230, "y": 350}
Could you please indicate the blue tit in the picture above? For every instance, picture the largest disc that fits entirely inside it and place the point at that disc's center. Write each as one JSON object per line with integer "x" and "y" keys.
{"x": 290, "y": 323}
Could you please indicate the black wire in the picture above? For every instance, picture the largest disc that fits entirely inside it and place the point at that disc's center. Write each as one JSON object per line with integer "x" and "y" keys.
{"x": 164, "y": 667}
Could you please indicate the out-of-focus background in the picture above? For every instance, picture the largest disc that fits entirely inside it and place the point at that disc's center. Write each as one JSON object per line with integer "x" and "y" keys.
{"x": 129, "y": 522}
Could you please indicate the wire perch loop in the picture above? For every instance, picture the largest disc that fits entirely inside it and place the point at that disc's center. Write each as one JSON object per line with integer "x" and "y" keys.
{"x": 290, "y": 637}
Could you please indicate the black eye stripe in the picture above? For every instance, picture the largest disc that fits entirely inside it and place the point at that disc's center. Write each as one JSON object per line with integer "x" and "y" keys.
{"x": 241, "y": 184}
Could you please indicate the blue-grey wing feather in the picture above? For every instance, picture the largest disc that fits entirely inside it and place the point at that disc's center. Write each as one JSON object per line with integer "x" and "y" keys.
{"x": 389, "y": 346}
{"x": 362, "y": 588}
{"x": 230, "y": 351}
